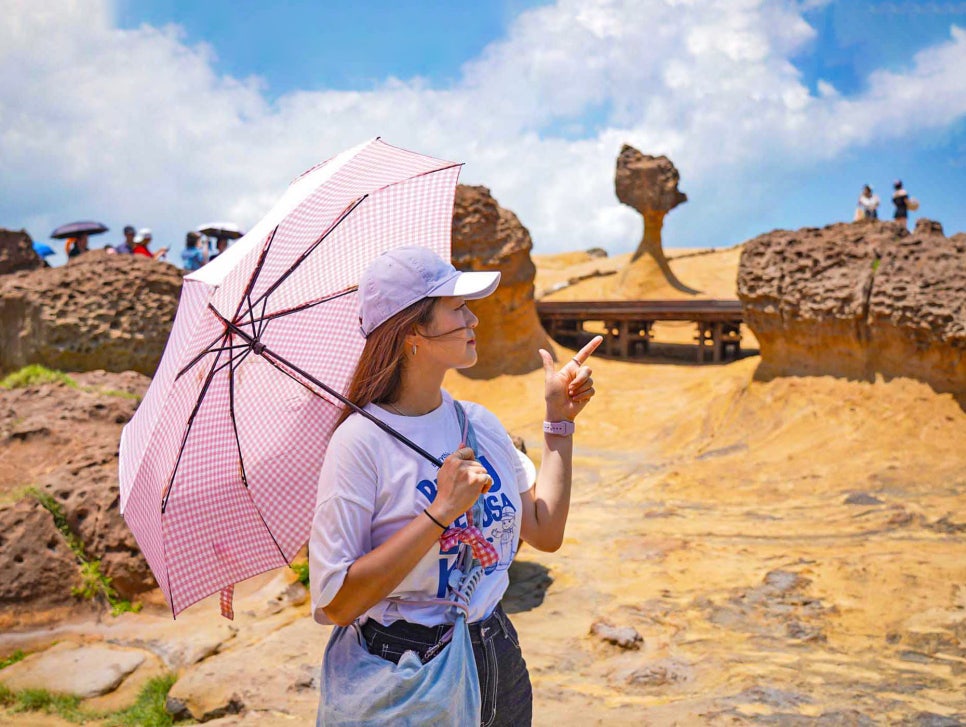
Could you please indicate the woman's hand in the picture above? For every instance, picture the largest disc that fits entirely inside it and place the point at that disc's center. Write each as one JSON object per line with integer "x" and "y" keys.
{"x": 568, "y": 390}
{"x": 459, "y": 483}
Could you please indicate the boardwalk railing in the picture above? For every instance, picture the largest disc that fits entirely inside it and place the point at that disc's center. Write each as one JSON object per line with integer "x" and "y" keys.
{"x": 627, "y": 323}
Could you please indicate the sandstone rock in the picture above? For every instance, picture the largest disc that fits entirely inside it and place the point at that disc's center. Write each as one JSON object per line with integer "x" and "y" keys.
{"x": 128, "y": 691}
{"x": 858, "y": 300}
{"x": 17, "y": 252}
{"x": 177, "y": 646}
{"x": 488, "y": 237}
{"x": 101, "y": 311}
{"x": 86, "y": 487}
{"x": 68, "y": 668}
{"x": 862, "y": 498}
{"x": 626, "y": 637}
{"x": 63, "y": 440}
{"x": 39, "y": 569}
{"x": 660, "y": 673}
{"x": 649, "y": 184}
{"x": 268, "y": 675}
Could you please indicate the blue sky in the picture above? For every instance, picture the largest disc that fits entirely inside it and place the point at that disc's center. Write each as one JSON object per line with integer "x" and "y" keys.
{"x": 326, "y": 45}
{"x": 167, "y": 113}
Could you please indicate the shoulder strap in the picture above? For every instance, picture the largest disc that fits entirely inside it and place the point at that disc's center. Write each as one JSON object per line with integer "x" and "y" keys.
{"x": 469, "y": 436}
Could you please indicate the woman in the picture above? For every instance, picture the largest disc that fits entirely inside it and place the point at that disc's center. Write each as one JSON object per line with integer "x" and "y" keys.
{"x": 142, "y": 245}
{"x": 869, "y": 204}
{"x": 900, "y": 199}
{"x": 194, "y": 254}
{"x": 375, "y": 545}
{"x": 76, "y": 245}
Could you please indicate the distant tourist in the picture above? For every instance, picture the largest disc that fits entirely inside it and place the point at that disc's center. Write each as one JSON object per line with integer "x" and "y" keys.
{"x": 869, "y": 204}
{"x": 126, "y": 247}
{"x": 76, "y": 245}
{"x": 221, "y": 244}
{"x": 900, "y": 198}
{"x": 194, "y": 255}
{"x": 142, "y": 242}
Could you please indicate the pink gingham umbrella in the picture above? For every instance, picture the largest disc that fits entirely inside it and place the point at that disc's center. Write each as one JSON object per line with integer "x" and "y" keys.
{"x": 219, "y": 466}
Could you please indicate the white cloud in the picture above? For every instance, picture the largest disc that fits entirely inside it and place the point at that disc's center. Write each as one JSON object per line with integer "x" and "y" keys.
{"x": 135, "y": 125}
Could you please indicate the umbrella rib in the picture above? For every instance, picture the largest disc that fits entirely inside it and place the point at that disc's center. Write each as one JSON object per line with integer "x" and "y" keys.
{"x": 231, "y": 411}
{"x": 275, "y": 360}
{"x": 261, "y": 319}
{"x": 255, "y": 273}
{"x": 282, "y": 364}
{"x": 305, "y": 306}
{"x": 284, "y": 276}
{"x": 241, "y": 459}
{"x": 208, "y": 350}
{"x": 187, "y": 430}
{"x": 251, "y": 317}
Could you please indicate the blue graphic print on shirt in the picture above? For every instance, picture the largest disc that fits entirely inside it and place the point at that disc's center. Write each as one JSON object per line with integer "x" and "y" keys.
{"x": 499, "y": 519}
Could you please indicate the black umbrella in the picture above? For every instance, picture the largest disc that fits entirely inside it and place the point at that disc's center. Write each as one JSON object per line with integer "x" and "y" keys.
{"x": 223, "y": 230}
{"x": 73, "y": 229}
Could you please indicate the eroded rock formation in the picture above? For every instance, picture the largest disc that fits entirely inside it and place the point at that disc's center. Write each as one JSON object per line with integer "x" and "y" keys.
{"x": 39, "y": 569}
{"x": 60, "y": 442}
{"x": 857, "y": 300}
{"x": 489, "y": 237}
{"x": 649, "y": 184}
{"x": 17, "y": 252}
{"x": 101, "y": 311}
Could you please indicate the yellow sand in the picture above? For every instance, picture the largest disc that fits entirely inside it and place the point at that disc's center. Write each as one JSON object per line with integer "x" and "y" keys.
{"x": 691, "y": 484}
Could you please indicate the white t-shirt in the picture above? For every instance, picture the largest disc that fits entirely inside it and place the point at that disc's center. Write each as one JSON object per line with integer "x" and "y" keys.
{"x": 371, "y": 485}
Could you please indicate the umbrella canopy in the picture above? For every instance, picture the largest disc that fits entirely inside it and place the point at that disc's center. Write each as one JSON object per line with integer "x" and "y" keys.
{"x": 219, "y": 466}
{"x": 43, "y": 249}
{"x": 224, "y": 230}
{"x": 73, "y": 229}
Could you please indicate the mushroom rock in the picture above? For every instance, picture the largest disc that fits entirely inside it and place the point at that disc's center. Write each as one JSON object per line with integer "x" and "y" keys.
{"x": 649, "y": 184}
{"x": 489, "y": 237}
{"x": 101, "y": 311}
{"x": 858, "y": 301}
{"x": 17, "y": 252}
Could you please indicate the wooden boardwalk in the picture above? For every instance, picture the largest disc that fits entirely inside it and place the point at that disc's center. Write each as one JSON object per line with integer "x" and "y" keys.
{"x": 627, "y": 324}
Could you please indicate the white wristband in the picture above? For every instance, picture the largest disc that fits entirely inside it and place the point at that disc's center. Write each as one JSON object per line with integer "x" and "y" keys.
{"x": 561, "y": 429}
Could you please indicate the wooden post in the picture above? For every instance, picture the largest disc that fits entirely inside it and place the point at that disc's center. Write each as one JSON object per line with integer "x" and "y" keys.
{"x": 609, "y": 338}
{"x": 717, "y": 341}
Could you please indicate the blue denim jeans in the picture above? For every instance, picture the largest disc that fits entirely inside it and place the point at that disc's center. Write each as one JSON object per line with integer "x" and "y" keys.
{"x": 507, "y": 697}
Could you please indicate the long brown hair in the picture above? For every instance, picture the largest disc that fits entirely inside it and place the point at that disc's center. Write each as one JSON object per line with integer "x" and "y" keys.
{"x": 378, "y": 375}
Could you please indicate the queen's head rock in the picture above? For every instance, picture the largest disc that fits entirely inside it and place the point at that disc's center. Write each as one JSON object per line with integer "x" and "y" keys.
{"x": 649, "y": 184}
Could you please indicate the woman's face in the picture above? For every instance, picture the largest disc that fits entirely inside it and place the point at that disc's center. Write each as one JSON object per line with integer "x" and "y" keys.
{"x": 449, "y": 341}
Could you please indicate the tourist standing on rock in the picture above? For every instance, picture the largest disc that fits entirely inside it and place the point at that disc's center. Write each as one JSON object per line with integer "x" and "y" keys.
{"x": 76, "y": 245}
{"x": 142, "y": 242}
{"x": 194, "y": 255}
{"x": 900, "y": 198}
{"x": 387, "y": 524}
{"x": 221, "y": 244}
{"x": 127, "y": 247}
{"x": 869, "y": 204}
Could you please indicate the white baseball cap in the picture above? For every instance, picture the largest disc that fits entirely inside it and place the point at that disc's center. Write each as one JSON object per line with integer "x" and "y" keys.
{"x": 398, "y": 278}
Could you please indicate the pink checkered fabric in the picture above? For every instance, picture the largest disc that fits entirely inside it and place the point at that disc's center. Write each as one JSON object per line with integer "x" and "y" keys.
{"x": 229, "y": 442}
{"x": 482, "y": 549}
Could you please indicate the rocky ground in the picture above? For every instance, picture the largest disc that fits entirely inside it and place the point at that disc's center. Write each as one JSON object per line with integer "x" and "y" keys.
{"x": 740, "y": 551}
